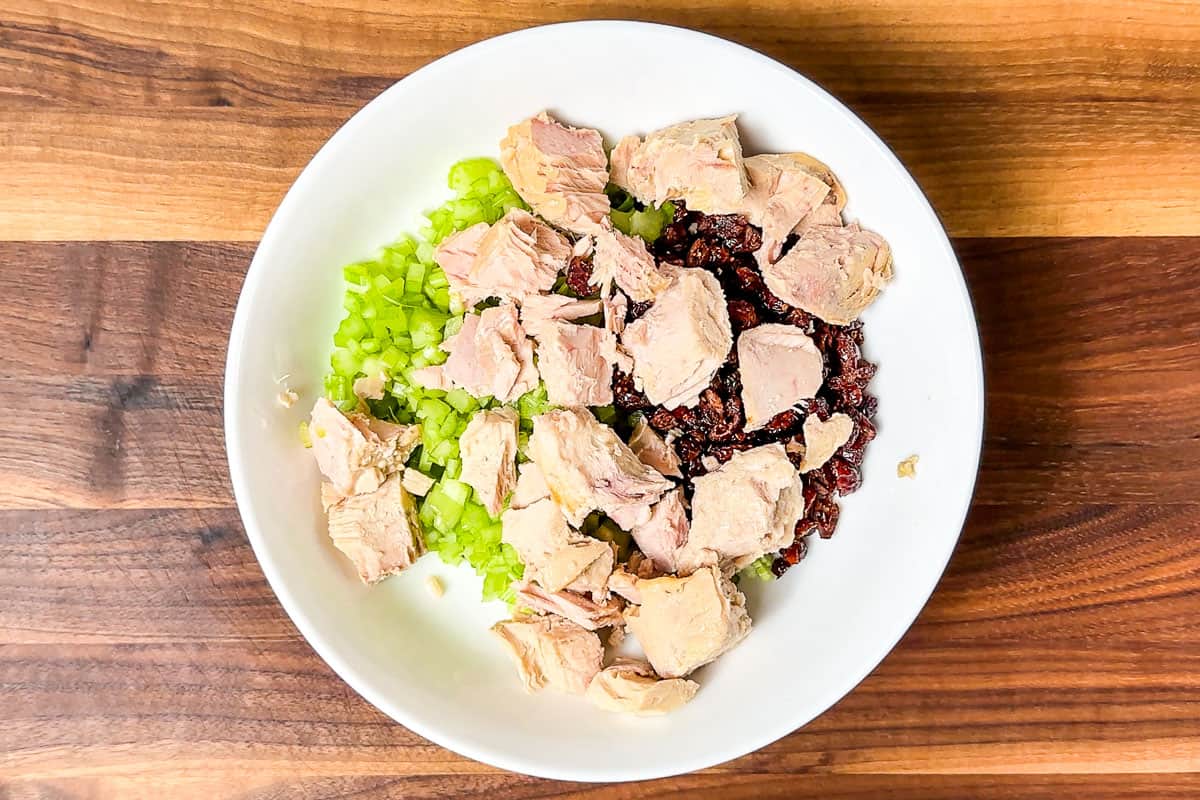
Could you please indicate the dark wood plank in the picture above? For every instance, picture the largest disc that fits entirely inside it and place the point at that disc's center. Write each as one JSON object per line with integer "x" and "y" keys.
{"x": 1093, "y": 381}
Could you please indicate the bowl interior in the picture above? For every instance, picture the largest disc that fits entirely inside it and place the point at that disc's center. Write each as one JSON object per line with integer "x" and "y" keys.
{"x": 430, "y": 663}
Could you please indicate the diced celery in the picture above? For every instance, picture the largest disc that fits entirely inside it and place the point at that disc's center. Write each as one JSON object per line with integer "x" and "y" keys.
{"x": 344, "y": 362}
{"x": 433, "y": 411}
{"x": 461, "y": 401}
{"x": 453, "y": 468}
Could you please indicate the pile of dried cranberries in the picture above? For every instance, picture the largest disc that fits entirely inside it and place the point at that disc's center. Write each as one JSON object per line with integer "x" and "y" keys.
{"x": 713, "y": 429}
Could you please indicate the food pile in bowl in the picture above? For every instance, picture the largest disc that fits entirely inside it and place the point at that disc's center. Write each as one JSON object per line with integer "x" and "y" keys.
{"x": 615, "y": 385}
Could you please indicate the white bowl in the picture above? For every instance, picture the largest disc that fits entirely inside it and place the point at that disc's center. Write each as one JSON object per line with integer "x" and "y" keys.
{"x": 430, "y": 664}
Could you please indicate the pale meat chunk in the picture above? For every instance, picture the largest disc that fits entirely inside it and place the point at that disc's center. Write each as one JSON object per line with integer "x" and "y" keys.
{"x": 432, "y": 378}
{"x": 356, "y": 452}
{"x": 588, "y": 467}
{"x": 456, "y": 256}
{"x": 559, "y": 171}
{"x": 748, "y": 507}
{"x": 782, "y": 192}
{"x": 698, "y": 162}
{"x": 829, "y": 212}
{"x": 379, "y": 531}
{"x": 653, "y": 450}
{"x": 684, "y": 623}
{"x": 416, "y": 482}
{"x": 625, "y": 261}
{"x": 632, "y": 687}
{"x": 516, "y": 257}
{"x": 491, "y": 355}
{"x": 780, "y": 366}
{"x": 555, "y": 555}
{"x": 488, "y": 448}
{"x": 623, "y": 583}
{"x": 370, "y": 387}
{"x": 531, "y": 487}
{"x": 583, "y": 611}
{"x": 576, "y": 362}
{"x": 822, "y": 439}
{"x": 665, "y": 534}
{"x": 616, "y": 307}
{"x": 540, "y": 310}
{"x": 832, "y": 273}
{"x": 680, "y": 342}
{"x": 551, "y": 651}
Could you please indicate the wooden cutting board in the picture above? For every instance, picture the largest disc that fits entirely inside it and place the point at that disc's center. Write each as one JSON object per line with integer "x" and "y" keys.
{"x": 143, "y": 146}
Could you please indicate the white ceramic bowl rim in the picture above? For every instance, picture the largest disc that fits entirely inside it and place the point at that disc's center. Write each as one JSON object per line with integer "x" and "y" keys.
{"x": 254, "y": 285}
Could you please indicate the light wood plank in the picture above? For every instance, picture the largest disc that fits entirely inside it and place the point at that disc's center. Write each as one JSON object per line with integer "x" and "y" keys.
{"x": 990, "y": 169}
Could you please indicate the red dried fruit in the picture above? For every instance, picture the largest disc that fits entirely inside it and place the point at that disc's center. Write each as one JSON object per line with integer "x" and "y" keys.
{"x": 686, "y": 417}
{"x": 579, "y": 276}
{"x": 625, "y": 393}
{"x": 794, "y": 553}
{"x": 749, "y": 281}
{"x": 845, "y": 476}
{"x": 782, "y": 422}
{"x": 662, "y": 420}
{"x": 688, "y": 448}
{"x": 742, "y": 314}
{"x": 698, "y": 254}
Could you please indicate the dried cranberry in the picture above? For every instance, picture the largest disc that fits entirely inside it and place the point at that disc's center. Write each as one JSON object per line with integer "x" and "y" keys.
{"x": 686, "y": 417}
{"x": 699, "y": 253}
{"x": 688, "y": 448}
{"x": 820, "y": 407}
{"x": 579, "y": 277}
{"x": 801, "y": 319}
{"x": 853, "y": 454}
{"x": 712, "y": 408}
{"x": 662, "y": 420}
{"x": 779, "y": 566}
{"x": 846, "y": 476}
{"x": 625, "y": 394}
{"x": 847, "y": 351}
{"x": 742, "y": 314}
{"x": 796, "y": 552}
{"x": 749, "y": 281}
{"x": 869, "y": 407}
{"x": 781, "y": 422}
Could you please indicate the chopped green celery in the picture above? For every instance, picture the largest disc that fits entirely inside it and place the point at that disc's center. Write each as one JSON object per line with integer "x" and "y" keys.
{"x": 371, "y": 345}
{"x": 445, "y": 450}
{"x": 351, "y": 328}
{"x": 457, "y": 490}
{"x": 465, "y": 173}
{"x": 475, "y": 517}
{"x": 495, "y": 585}
{"x": 760, "y": 568}
{"x": 425, "y": 252}
{"x": 373, "y": 365}
{"x": 344, "y": 362}
{"x": 461, "y": 401}
{"x": 450, "y": 424}
{"x": 605, "y": 414}
{"x": 437, "y": 279}
{"x": 523, "y": 446}
{"x": 355, "y": 276}
{"x": 415, "y": 277}
{"x": 434, "y": 411}
{"x": 441, "y": 299}
{"x": 392, "y": 357}
{"x": 419, "y": 360}
{"x": 352, "y": 303}
{"x": 453, "y": 326}
{"x": 425, "y": 463}
{"x": 453, "y": 468}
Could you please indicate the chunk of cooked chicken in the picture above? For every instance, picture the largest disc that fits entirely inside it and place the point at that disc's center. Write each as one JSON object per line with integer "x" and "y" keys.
{"x": 488, "y": 447}
{"x": 560, "y": 171}
{"x": 699, "y": 162}
{"x": 456, "y": 256}
{"x": 531, "y": 486}
{"x": 551, "y": 651}
{"x": 587, "y": 467}
{"x": 433, "y": 377}
{"x": 678, "y": 345}
{"x": 583, "y": 611}
{"x": 625, "y": 261}
{"x": 653, "y": 450}
{"x": 379, "y": 531}
{"x": 555, "y": 556}
{"x": 623, "y": 583}
{"x": 540, "y": 310}
{"x": 576, "y": 363}
{"x": 357, "y": 452}
{"x": 631, "y": 686}
{"x": 517, "y": 257}
{"x": 833, "y": 273}
{"x": 780, "y": 366}
{"x": 491, "y": 355}
{"x": 829, "y": 212}
{"x": 822, "y": 439}
{"x": 684, "y": 623}
{"x": 782, "y": 192}
{"x": 416, "y": 482}
{"x": 748, "y": 507}
{"x": 665, "y": 534}
{"x": 616, "y": 307}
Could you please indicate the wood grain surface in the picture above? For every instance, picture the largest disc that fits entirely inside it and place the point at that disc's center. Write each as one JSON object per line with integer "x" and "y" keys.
{"x": 143, "y": 146}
